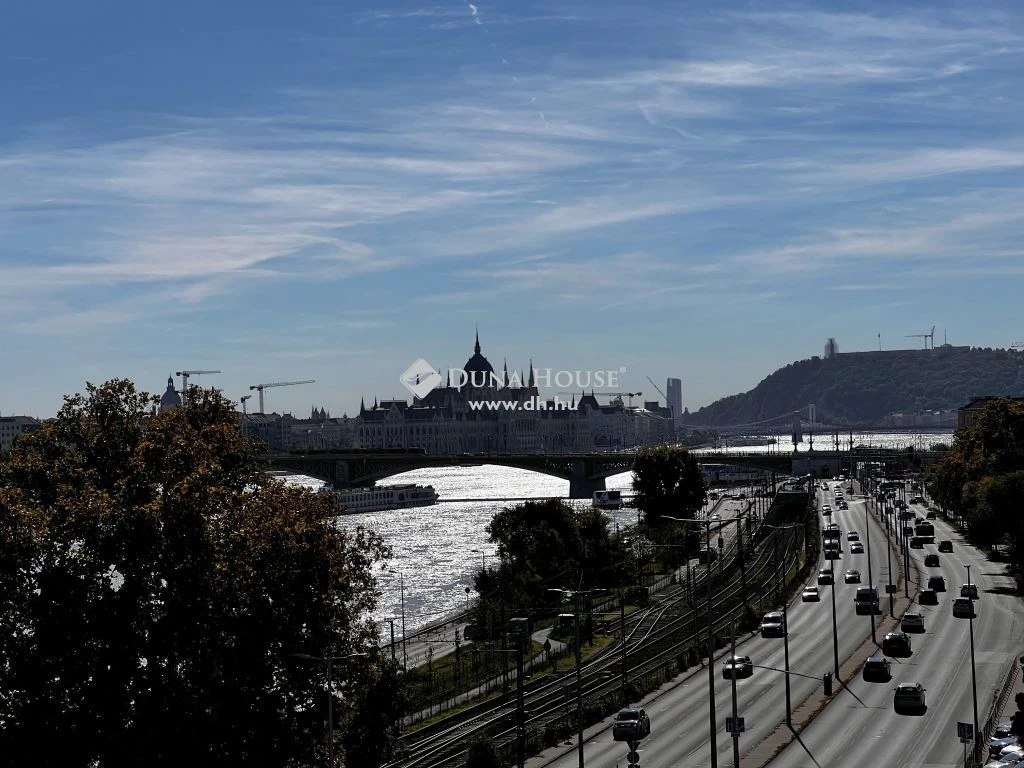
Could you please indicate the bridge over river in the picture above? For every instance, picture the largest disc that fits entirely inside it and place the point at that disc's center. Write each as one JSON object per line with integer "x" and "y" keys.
{"x": 586, "y": 472}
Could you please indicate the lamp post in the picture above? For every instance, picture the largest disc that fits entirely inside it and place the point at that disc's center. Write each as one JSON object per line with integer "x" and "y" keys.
{"x": 579, "y": 661}
{"x": 483, "y": 558}
{"x": 328, "y": 661}
{"x": 871, "y": 583}
{"x": 391, "y": 620}
{"x": 974, "y": 675}
{"x": 713, "y": 726}
{"x": 785, "y": 627}
{"x": 401, "y": 587}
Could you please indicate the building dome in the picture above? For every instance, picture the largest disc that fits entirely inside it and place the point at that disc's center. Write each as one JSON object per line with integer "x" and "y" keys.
{"x": 170, "y": 399}
{"x": 479, "y": 371}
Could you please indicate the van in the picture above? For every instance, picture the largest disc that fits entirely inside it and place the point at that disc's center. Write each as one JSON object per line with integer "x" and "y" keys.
{"x": 866, "y": 601}
{"x": 773, "y": 625}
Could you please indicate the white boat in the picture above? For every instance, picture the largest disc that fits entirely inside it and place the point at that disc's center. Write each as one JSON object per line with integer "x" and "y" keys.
{"x": 608, "y": 499}
{"x": 384, "y": 497}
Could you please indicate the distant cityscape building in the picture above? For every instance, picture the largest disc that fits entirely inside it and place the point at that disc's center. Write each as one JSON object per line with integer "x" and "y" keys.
{"x": 13, "y": 426}
{"x": 170, "y": 399}
{"x": 831, "y": 348}
{"x": 674, "y": 393}
{"x": 448, "y": 419}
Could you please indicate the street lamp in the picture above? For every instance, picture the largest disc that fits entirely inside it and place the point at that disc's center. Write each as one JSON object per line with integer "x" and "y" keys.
{"x": 483, "y": 558}
{"x": 785, "y": 628}
{"x": 974, "y": 675}
{"x": 579, "y": 660}
{"x": 328, "y": 661}
{"x": 871, "y": 583}
{"x": 401, "y": 587}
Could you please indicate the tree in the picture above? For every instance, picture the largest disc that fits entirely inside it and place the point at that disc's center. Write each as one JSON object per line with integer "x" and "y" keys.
{"x": 482, "y": 754}
{"x": 155, "y": 584}
{"x": 667, "y": 481}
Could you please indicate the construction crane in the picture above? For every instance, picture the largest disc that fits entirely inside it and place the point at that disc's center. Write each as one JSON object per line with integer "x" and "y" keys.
{"x": 184, "y": 380}
{"x": 658, "y": 390}
{"x": 619, "y": 395}
{"x": 260, "y": 387}
{"x": 242, "y": 400}
{"x": 925, "y": 336}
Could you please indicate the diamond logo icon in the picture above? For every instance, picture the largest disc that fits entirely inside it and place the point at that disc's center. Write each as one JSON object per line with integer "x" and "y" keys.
{"x": 420, "y": 378}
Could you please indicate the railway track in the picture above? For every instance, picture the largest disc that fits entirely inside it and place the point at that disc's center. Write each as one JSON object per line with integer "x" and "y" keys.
{"x": 655, "y": 637}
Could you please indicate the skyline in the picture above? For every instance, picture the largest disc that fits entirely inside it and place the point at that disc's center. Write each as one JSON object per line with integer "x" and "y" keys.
{"x": 323, "y": 193}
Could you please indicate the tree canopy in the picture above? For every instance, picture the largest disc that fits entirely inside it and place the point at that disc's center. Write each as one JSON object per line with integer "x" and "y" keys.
{"x": 667, "y": 480}
{"x": 982, "y": 476}
{"x": 155, "y": 586}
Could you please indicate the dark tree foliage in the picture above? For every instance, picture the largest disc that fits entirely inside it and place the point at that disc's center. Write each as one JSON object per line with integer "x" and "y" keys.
{"x": 667, "y": 481}
{"x": 544, "y": 545}
{"x": 982, "y": 476}
{"x": 481, "y": 754}
{"x": 154, "y": 584}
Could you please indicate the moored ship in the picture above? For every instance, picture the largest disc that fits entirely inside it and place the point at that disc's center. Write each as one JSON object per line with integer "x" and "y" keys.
{"x": 385, "y": 497}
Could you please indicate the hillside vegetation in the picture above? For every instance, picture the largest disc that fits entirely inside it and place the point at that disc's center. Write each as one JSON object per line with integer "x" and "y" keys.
{"x": 862, "y": 388}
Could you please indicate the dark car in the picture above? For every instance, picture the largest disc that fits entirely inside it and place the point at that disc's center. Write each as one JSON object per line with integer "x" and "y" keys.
{"x": 963, "y": 608}
{"x": 631, "y": 724}
{"x": 928, "y": 597}
{"x": 931, "y": 561}
{"x": 896, "y": 644}
{"x": 877, "y": 669}
{"x": 917, "y": 499}
{"x": 937, "y": 583}
{"x": 741, "y": 666}
{"x": 945, "y": 546}
{"x": 931, "y": 515}
{"x": 826, "y": 577}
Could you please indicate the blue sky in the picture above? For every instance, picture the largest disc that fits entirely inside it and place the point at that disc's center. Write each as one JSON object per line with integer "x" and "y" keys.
{"x": 328, "y": 191}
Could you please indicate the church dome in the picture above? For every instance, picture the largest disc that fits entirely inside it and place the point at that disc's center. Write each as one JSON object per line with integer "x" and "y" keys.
{"x": 480, "y": 372}
{"x": 170, "y": 399}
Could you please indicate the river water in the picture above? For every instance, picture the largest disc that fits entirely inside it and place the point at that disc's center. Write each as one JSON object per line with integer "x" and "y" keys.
{"x": 437, "y": 549}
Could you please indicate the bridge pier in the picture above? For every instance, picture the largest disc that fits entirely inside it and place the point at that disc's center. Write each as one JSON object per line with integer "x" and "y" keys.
{"x": 581, "y": 484}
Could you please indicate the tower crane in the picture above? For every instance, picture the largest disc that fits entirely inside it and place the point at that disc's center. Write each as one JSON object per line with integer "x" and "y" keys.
{"x": 658, "y": 390}
{"x": 242, "y": 400}
{"x": 184, "y": 380}
{"x": 925, "y": 336}
{"x": 619, "y": 395}
{"x": 260, "y": 387}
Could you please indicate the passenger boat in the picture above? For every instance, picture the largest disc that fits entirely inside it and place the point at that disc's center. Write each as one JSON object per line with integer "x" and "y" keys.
{"x": 608, "y": 499}
{"x": 385, "y": 497}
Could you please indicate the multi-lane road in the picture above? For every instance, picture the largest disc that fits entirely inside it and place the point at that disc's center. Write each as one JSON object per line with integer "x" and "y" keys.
{"x": 858, "y": 727}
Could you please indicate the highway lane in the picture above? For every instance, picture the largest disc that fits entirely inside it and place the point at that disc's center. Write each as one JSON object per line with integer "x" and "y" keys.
{"x": 859, "y": 727}
{"x": 680, "y": 716}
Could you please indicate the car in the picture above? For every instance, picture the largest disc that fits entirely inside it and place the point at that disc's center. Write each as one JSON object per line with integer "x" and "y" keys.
{"x": 937, "y": 583}
{"x": 631, "y": 724}
{"x": 853, "y": 536}
{"x": 945, "y": 545}
{"x": 826, "y": 577}
{"x": 1010, "y": 755}
{"x": 963, "y": 608}
{"x": 912, "y": 622}
{"x": 877, "y": 669}
{"x": 740, "y": 666}
{"x": 927, "y": 597}
{"x": 917, "y": 499}
{"x": 931, "y": 561}
{"x": 856, "y": 548}
{"x": 773, "y": 625}
{"x": 811, "y": 595}
{"x": 896, "y": 644}
{"x": 849, "y": 489}
{"x": 908, "y": 697}
{"x": 843, "y": 505}
{"x": 824, "y": 486}
{"x": 826, "y": 510}
{"x": 852, "y": 577}
{"x": 969, "y": 590}
{"x": 998, "y": 743}
{"x": 931, "y": 515}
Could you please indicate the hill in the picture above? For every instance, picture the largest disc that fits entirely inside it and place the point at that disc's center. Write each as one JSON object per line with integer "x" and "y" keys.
{"x": 862, "y": 388}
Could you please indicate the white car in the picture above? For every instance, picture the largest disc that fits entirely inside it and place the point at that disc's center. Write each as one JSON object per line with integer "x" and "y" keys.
{"x": 856, "y": 548}
{"x": 811, "y": 595}
{"x": 853, "y": 536}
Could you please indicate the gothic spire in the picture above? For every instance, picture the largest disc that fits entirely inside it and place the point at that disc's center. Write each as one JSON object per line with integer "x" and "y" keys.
{"x": 476, "y": 347}
{"x": 531, "y": 384}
